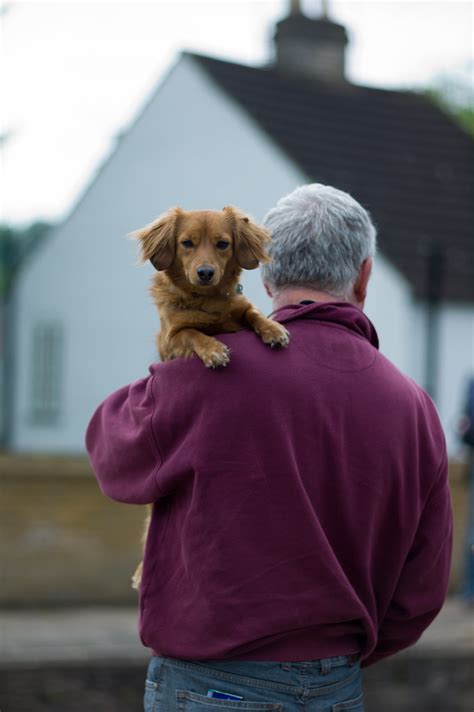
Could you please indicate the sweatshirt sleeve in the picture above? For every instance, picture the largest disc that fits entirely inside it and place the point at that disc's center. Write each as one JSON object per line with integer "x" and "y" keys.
{"x": 423, "y": 584}
{"x": 121, "y": 444}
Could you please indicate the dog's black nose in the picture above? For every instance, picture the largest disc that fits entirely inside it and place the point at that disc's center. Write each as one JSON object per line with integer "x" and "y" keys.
{"x": 205, "y": 273}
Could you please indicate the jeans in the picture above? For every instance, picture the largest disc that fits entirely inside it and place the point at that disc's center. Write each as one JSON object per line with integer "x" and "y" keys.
{"x": 326, "y": 685}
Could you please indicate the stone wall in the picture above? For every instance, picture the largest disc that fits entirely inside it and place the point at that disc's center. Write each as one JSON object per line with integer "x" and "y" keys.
{"x": 63, "y": 543}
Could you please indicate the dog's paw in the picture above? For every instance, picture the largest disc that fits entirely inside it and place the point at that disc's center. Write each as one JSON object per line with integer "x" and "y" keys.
{"x": 274, "y": 334}
{"x": 220, "y": 356}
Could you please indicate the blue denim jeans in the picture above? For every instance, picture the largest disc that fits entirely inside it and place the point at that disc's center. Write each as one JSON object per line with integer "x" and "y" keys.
{"x": 326, "y": 685}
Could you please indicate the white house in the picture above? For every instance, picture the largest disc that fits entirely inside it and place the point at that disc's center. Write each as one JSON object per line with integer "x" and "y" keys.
{"x": 215, "y": 133}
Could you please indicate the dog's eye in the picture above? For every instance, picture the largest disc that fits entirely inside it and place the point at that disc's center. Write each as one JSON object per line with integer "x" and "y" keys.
{"x": 221, "y": 245}
{"x": 187, "y": 243}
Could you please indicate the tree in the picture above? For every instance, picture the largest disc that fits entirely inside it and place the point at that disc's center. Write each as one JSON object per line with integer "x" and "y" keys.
{"x": 15, "y": 245}
{"x": 454, "y": 93}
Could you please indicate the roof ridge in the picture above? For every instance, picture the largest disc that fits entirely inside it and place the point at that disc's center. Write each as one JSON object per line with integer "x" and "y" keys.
{"x": 305, "y": 81}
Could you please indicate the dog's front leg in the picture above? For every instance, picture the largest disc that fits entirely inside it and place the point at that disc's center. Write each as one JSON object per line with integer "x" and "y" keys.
{"x": 271, "y": 332}
{"x": 186, "y": 342}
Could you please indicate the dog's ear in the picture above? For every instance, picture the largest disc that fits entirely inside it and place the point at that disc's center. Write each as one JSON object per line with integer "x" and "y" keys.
{"x": 250, "y": 240}
{"x": 158, "y": 239}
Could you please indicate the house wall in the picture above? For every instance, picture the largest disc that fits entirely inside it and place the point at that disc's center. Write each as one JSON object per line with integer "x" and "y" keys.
{"x": 389, "y": 305}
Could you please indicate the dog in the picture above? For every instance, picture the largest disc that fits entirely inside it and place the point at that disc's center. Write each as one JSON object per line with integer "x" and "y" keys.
{"x": 199, "y": 256}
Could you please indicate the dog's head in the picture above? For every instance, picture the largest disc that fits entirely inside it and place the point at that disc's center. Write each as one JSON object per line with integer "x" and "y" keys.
{"x": 205, "y": 247}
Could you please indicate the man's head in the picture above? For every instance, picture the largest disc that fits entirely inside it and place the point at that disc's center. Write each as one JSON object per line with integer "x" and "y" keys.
{"x": 323, "y": 243}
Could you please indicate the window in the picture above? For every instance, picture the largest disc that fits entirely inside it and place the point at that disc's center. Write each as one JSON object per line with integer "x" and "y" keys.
{"x": 46, "y": 373}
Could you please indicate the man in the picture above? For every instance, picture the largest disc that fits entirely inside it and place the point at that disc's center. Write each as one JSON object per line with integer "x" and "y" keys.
{"x": 301, "y": 522}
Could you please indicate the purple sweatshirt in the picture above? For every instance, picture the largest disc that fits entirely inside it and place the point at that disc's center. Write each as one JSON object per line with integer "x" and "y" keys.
{"x": 300, "y": 497}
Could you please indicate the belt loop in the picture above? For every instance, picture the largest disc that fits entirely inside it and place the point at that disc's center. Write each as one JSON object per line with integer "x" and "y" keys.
{"x": 286, "y": 666}
{"x": 325, "y": 666}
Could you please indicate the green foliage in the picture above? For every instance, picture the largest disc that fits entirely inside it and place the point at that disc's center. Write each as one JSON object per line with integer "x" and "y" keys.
{"x": 15, "y": 245}
{"x": 466, "y": 117}
{"x": 455, "y": 95}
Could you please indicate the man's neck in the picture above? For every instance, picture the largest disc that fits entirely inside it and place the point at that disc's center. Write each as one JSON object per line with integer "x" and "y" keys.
{"x": 294, "y": 295}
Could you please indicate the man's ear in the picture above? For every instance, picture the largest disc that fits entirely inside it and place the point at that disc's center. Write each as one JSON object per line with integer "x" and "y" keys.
{"x": 250, "y": 240}
{"x": 360, "y": 285}
{"x": 268, "y": 290}
{"x": 158, "y": 239}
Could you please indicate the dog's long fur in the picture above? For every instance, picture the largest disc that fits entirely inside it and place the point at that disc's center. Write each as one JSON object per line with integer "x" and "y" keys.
{"x": 186, "y": 248}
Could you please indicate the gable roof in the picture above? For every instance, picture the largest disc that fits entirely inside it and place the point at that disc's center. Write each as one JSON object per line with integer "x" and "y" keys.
{"x": 399, "y": 155}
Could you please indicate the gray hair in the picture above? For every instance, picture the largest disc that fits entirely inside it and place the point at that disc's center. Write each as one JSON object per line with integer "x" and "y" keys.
{"x": 320, "y": 237}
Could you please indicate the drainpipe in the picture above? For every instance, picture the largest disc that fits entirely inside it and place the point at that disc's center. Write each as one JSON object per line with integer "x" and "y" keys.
{"x": 435, "y": 270}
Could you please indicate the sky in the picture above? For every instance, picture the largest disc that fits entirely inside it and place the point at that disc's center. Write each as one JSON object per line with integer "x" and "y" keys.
{"x": 75, "y": 74}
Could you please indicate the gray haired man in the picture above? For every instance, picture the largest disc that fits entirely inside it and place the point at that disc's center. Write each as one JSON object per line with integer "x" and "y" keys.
{"x": 301, "y": 526}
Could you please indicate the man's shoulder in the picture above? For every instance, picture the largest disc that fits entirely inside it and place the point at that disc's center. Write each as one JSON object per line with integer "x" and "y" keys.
{"x": 406, "y": 389}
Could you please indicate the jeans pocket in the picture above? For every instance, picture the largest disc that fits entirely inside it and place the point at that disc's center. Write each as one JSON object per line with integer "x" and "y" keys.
{"x": 192, "y": 702}
{"x": 354, "y": 705}
{"x": 150, "y": 698}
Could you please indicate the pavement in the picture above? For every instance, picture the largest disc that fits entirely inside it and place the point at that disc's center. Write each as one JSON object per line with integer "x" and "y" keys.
{"x": 40, "y": 637}
{"x": 69, "y": 635}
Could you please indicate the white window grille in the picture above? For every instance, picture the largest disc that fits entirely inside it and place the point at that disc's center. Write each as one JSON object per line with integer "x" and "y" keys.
{"x": 46, "y": 373}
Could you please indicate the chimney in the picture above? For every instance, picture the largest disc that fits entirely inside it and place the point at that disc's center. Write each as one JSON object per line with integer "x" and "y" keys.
{"x": 311, "y": 48}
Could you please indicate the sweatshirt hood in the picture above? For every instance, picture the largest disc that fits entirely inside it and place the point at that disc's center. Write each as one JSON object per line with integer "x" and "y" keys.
{"x": 340, "y": 313}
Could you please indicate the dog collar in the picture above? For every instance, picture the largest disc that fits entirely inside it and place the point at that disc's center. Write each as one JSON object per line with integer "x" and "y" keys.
{"x": 238, "y": 290}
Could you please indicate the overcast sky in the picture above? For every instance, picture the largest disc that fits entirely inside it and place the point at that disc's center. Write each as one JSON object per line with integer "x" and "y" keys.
{"x": 76, "y": 73}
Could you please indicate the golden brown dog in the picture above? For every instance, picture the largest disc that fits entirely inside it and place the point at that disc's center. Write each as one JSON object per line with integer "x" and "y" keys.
{"x": 199, "y": 256}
